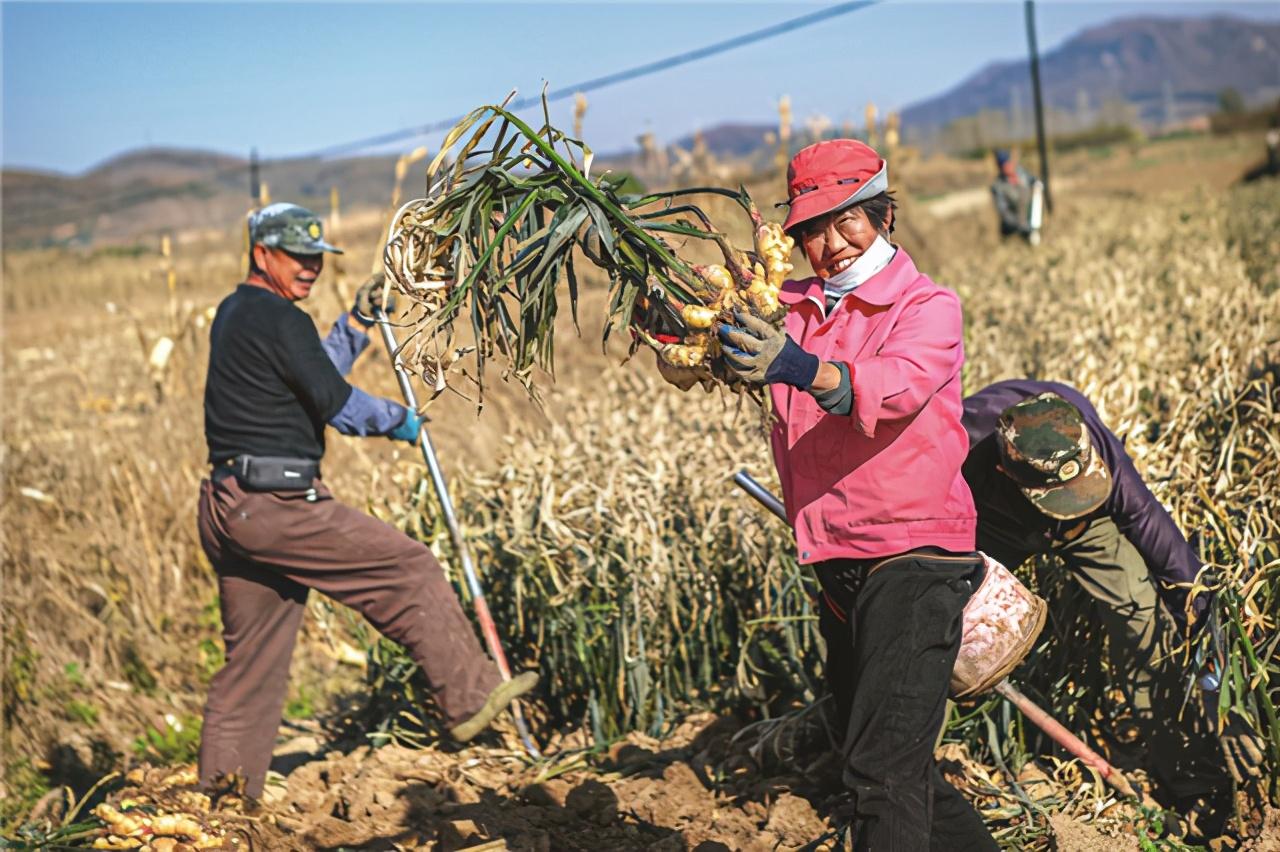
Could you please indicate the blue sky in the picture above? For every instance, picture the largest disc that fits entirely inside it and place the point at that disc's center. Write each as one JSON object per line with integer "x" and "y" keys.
{"x": 85, "y": 81}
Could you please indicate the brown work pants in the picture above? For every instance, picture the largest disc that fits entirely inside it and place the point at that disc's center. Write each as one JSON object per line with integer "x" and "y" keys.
{"x": 269, "y": 549}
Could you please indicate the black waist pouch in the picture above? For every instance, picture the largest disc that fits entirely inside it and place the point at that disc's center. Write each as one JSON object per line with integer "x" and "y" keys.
{"x": 274, "y": 473}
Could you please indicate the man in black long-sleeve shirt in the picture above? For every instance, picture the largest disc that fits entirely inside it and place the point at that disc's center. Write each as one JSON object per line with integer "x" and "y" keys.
{"x": 272, "y": 529}
{"x": 1048, "y": 477}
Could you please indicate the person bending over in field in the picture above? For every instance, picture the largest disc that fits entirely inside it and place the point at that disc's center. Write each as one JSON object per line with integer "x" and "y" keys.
{"x": 1048, "y": 477}
{"x": 865, "y": 381}
{"x": 271, "y": 527}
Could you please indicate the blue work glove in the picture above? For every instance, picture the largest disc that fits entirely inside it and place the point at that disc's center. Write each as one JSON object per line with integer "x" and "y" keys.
{"x": 408, "y": 430}
{"x": 370, "y": 297}
{"x": 760, "y": 353}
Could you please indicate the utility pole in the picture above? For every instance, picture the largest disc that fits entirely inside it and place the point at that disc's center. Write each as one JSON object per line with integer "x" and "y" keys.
{"x": 255, "y": 183}
{"x": 1038, "y": 96}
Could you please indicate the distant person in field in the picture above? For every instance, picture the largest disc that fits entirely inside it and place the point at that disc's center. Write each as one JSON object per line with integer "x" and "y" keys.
{"x": 865, "y": 381}
{"x": 1017, "y": 196}
{"x": 273, "y": 530}
{"x": 1048, "y": 477}
{"x": 1273, "y": 148}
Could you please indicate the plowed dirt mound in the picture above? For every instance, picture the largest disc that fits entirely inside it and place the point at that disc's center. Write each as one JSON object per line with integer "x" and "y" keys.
{"x": 644, "y": 794}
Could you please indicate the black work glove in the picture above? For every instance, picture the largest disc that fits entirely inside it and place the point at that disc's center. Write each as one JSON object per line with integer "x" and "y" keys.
{"x": 370, "y": 297}
{"x": 760, "y": 353}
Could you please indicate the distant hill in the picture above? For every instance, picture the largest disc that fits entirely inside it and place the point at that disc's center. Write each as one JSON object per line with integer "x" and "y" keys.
{"x": 163, "y": 189}
{"x": 1169, "y": 69}
{"x": 1164, "y": 69}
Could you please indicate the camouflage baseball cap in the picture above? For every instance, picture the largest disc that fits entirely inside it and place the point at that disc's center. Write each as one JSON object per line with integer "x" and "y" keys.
{"x": 1045, "y": 448}
{"x": 289, "y": 227}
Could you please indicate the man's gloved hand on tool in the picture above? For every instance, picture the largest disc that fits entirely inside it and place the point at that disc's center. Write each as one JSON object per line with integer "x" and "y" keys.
{"x": 370, "y": 297}
{"x": 409, "y": 429}
{"x": 762, "y": 354}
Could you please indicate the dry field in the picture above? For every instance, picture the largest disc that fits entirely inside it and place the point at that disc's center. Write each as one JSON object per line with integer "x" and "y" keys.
{"x": 662, "y": 608}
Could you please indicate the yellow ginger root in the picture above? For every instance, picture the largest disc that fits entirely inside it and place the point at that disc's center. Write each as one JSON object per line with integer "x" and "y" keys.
{"x": 691, "y": 353}
{"x": 194, "y": 801}
{"x": 698, "y": 316}
{"x": 683, "y": 355}
{"x": 185, "y": 777}
{"x": 113, "y": 841}
{"x": 766, "y": 301}
{"x": 117, "y": 822}
{"x": 717, "y": 276}
{"x": 176, "y": 824}
{"x": 774, "y": 248}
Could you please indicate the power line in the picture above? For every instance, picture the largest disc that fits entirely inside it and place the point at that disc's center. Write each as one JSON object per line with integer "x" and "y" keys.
{"x": 592, "y": 84}
{"x": 611, "y": 79}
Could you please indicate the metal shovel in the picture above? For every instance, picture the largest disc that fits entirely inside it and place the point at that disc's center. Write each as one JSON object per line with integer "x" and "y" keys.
{"x": 487, "y": 626}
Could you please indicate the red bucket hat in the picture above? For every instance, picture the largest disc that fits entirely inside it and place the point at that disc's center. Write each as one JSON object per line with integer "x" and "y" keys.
{"x": 830, "y": 175}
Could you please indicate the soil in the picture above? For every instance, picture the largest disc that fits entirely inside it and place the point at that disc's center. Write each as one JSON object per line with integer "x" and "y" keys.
{"x": 642, "y": 794}
{"x": 1070, "y": 835}
{"x": 697, "y": 789}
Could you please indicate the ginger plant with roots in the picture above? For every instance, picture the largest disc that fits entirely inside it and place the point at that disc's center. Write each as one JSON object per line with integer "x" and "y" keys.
{"x": 496, "y": 238}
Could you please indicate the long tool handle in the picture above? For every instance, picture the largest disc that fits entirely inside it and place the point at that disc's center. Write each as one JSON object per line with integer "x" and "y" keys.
{"x": 487, "y": 626}
{"x": 1059, "y": 734}
{"x": 1040, "y": 718}
{"x": 763, "y": 496}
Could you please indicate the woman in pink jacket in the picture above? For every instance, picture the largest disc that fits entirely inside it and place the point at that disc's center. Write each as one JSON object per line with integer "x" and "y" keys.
{"x": 865, "y": 380}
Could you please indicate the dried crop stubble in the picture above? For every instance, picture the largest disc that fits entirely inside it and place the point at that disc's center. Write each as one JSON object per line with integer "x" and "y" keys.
{"x": 620, "y": 560}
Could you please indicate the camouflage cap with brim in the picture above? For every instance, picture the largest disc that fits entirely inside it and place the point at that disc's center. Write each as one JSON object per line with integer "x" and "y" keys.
{"x": 290, "y": 227}
{"x": 1045, "y": 448}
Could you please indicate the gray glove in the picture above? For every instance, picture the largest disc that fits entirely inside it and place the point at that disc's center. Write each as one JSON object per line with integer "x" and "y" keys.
{"x": 1241, "y": 747}
{"x": 760, "y": 353}
{"x": 370, "y": 297}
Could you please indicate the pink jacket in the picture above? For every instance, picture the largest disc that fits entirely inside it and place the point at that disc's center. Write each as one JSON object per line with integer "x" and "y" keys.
{"x": 885, "y": 479}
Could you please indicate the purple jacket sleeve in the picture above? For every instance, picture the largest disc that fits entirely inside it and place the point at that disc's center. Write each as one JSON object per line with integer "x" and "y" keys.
{"x": 344, "y": 344}
{"x": 364, "y": 415}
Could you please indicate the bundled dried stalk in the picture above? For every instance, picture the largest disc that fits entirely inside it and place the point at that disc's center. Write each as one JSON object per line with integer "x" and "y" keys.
{"x": 497, "y": 237}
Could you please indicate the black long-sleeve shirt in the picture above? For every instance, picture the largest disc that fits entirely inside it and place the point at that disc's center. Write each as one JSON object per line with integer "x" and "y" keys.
{"x": 1011, "y": 529}
{"x": 271, "y": 386}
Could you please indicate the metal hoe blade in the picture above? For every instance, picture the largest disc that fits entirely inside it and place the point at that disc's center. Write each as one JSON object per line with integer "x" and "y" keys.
{"x": 487, "y": 626}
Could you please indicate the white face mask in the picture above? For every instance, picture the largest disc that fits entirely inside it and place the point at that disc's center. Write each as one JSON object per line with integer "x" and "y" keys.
{"x": 874, "y": 259}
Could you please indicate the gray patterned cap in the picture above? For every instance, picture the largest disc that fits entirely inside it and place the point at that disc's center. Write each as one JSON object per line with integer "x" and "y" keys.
{"x": 289, "y": 227}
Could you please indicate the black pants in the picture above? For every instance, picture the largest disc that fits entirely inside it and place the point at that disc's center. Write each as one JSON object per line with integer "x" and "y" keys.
{"x": 892, "y": 629}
